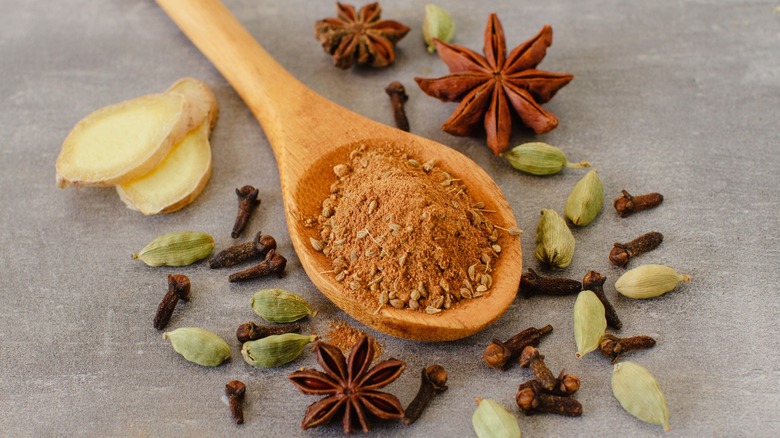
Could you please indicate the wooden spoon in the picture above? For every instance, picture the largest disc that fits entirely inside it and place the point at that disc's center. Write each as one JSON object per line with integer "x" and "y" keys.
{"x": 309, "y": 135}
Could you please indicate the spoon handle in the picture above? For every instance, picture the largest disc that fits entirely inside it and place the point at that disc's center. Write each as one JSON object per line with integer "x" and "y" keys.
{"x": 282, "y": 104}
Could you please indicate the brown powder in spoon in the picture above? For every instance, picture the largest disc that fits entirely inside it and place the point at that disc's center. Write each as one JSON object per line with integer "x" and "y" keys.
{"x": 405, "y": 234}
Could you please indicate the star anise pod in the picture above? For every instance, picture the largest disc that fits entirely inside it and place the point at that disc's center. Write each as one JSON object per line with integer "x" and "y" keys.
{"x": 487, "y": 85}
{"x": 359, "y": 37}
{"x": 351, "y": 387}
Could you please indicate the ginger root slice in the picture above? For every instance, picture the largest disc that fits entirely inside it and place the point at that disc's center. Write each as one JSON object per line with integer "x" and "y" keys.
{"x": 121, "y": 142}
{"x": 177, "y": 181}
{"x": 185, "y": 171}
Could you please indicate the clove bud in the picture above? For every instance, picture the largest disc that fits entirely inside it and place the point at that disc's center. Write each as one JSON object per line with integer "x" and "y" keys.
{"x": 612, "y": 346}
{"x": 594, "y": 282}
{"x": 625, "y": 204}
{"x": 252, "y": 332}
{"x": 247, "y": 201}
{"x": 532, "y": 399}
{"x": 398, "y": 97}
{"x": 530, "y": 358}
{"x": 532, "y": 283}
{"x": 433, "y": 381}
{"x": 565, "y": 385}
{"x": 622, "y": 252}
{"x": 178, "y": 289}
{"x": 274, "y": 263}
{"x": 498, "y": 354}
{"x": 243, "y": 252}
{"x": 235, "y": 390}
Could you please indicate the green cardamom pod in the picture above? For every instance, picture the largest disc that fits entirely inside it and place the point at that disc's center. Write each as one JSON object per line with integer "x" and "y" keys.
{"x": 199, "y": 345}
{"x": 585, "y": 200}
{"x": 491, "y": 420}
{"x": 275, "y": 350}
{"x": 277, "y": 305}
{"x": 554, "y": 241}
{"x": 437, "y": 24}
{"x": 590, "y": 322}
{"x": 639, "y": 394}
{"x": 539, "y": 158}
{"x": 648, "y": 281}
{"x": 176, "y": 249}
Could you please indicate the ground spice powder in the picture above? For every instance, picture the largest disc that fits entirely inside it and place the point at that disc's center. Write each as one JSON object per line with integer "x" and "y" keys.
{"x": 406, "y": 234}
{"x": 344, "y": 336}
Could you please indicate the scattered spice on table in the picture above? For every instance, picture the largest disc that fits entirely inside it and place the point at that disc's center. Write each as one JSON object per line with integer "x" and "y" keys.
{"x": 344, "y": 336}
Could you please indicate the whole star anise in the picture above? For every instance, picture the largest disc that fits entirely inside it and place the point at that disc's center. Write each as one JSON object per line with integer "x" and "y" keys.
{"x": 487, "y": 85}
{"x": 359, "y": 37}
{"x": 350, "y": 386}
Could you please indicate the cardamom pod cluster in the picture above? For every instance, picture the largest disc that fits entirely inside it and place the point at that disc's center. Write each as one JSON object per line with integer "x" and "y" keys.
{"x": 437, "y": 24}
{"x": 275, "y": 350}
{"x": 554, "y": 241}
{"x": 199, "y": 345}
{"x": 590, "y": 322}
{"x": 639, "y": 394}
{"x": 176, "y": 249}
{"x": 585, "y": 200}
{"x": 539, "y": 158}
{"x": 648, "y": 281}
{"x": 491, "y": 420}
{"x": 277, "y": 305}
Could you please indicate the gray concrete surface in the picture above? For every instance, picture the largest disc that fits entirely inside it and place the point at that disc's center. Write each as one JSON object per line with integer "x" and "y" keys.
{"x": 680, "y": 97}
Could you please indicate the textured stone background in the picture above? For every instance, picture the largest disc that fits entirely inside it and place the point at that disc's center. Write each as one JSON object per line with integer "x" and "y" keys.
{"x": 680, "y": 97}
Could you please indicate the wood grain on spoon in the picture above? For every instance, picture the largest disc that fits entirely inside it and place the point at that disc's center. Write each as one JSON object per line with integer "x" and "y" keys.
{"x": 309, "y": 135}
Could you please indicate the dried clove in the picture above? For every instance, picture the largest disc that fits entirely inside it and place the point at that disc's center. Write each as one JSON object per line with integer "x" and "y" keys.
{"x": 622, "y": 252}
{"x": 243, "y": 252}
{"x": 247, "y": 201}
{"x": 593, "y": 281}
{"x": 612, "y": 346}
{"x": 398, "y": 97}
{"x": 532, "y": 399}
{"x": 625, "y": 204}
{"x": 530, "y": 358}
{"x": 178, "y": 289}
{"x": 273, "y": 263}
{"x": 565, "y": 385}
{"x": 252, "y": 332}
{"x": 498, "y": 354}
{"x": 433, "y": 381}
{"x": 235, "y": 390}
{"x": 532, "y": 283}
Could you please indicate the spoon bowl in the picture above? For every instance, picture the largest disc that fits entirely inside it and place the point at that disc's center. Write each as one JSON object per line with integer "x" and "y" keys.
{"x": 309, "y": 135}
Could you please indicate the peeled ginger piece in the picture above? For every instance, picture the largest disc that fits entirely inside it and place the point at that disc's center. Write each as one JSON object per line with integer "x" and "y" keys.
{"x": 186, "y": 170}
{"x": 177, "y": 181}
{"x": 124, "y": 141}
